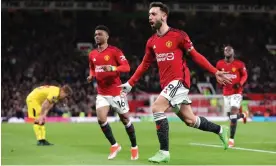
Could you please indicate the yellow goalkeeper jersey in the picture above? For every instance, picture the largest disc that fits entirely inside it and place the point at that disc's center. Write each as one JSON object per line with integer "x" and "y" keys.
{"x": 40, "y": 94}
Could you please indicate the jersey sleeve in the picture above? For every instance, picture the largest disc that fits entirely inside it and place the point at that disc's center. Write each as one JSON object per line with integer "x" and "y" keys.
{"x": 145, "y": 64}
{"x": 123, "y": 65}
{"x": 53, "y": 95}
{"x": 91, "y": 66}
{"x": 243, "y": 74}
{"x": 218, "y": 66}
{"x": 185, "y": 42}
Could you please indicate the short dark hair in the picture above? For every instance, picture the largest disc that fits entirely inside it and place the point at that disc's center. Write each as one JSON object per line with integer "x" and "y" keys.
{"x": 103, "y": 27}
{"x": 163, "y": 7}
{"x": 228, "y": 45}
{"x": 67, "y": 89}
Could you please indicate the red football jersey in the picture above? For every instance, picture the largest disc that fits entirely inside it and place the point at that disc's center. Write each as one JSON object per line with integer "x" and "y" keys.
{"x": 167, "y": 50}
{"x": 108, "y": 82}
{"x": 237, "y": 72}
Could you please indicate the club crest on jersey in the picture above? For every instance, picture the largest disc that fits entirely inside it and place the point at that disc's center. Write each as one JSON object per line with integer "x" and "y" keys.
{"x": 234, "y": 69}
{"x": 106, "y": 57}
{"x": 169, "y": 44}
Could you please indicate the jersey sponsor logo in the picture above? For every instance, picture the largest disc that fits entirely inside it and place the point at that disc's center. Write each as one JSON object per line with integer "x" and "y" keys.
{"x": 99, "y": 68}
{"x": 164, "y": 56}
{"x": 234, "y": 69}
{"x": 169, "y": 44}
{"x": 232, "y": 76}
{"x": 106, "y": 57}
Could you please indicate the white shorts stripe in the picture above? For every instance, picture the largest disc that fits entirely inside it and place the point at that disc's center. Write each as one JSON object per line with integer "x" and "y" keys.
{"x": 176, "y": 93}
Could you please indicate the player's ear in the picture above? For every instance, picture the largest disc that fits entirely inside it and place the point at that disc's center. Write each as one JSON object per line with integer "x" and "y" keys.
{"x": 164, "y": 17}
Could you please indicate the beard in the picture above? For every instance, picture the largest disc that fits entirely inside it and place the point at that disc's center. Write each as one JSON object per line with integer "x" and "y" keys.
{"x": 157, "y": 25}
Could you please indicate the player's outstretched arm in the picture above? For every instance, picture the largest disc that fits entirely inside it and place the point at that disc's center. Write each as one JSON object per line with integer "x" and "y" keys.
{"x": 202, "y": 61}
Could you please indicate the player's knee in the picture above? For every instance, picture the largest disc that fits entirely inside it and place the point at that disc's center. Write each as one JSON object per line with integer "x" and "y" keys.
{"x": 124, "y": 119}
{"x": 190, "y": 122}
{"x": 156, "y": 108}
{"x": 234, "y": 109}
{"x": 102, "y": 123}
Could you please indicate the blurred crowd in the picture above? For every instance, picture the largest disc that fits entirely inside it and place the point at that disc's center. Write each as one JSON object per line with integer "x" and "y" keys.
{"x": 39, "y": 47}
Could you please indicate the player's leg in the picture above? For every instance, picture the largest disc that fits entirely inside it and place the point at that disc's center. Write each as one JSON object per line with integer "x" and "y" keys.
{"x": 102, "y": 108}
{"x": 186, "y": 114}
{"x": 42, "y": 128}
{"x": 32, "y": 114}
{"x": 162, "y": 126}
{"x": 131, "y": 134}
{"x": 227, "y": 108}
{"x": 244, "y": 114}
{"x": 120, "y": 104}
{"x": 161, "y": 104}
{"x": 234, "y": 115}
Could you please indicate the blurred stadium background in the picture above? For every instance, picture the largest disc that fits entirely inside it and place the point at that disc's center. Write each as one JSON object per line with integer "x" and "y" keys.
{"x": 46, "y": 42}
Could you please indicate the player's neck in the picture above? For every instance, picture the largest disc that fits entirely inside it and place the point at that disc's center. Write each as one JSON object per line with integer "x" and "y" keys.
{"x": 162, "y": 30}
{"x": 229, "y": 60}
{"x": 102, "y": 47}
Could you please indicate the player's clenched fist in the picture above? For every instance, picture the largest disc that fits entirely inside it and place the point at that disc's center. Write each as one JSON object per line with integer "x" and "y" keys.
{"x": 126, "y": 87}
{"x": 89, "y": 79}
{"x": 222, "y": 78}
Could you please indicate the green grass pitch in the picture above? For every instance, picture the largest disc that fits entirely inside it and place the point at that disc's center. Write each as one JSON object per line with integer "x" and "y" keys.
{"x": 78, "y": 144}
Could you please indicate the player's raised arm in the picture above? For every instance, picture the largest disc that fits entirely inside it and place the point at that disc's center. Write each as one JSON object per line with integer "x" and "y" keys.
{"x": 142, "y": 68}
{"x": 202, "y": 61}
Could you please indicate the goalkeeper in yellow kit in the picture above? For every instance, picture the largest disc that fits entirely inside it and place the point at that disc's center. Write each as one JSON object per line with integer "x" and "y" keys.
{"x": 39, "y": 102}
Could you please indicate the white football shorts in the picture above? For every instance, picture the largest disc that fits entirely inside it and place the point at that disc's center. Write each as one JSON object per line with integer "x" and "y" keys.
{"x": 232, "y": 101}
{"x": 118, "y": 103}
{"x": 176, "y": 93}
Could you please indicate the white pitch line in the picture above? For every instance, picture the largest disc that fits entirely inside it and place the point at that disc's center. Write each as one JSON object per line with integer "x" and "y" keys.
{"x": 237, "y": 148}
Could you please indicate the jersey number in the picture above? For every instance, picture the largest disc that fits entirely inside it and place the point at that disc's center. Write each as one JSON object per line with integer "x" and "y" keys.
{"x": 169, "y": 87}
{"x": 121, "y": 103}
